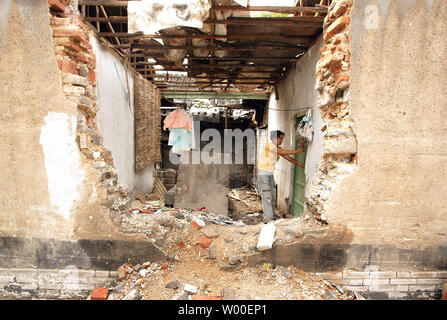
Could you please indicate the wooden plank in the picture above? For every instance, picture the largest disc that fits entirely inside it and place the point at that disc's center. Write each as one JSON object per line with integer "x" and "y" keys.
{"x": 194, "y": 84}
{"x": 109, "y": 24}
{"x": 270, "y": 21}
{"x": 210, "y": 94}
{"x": 246, "y": 58}
{"x": 121, "y": 34}
{"x": 292, "y": 21}
{"x": 239, "y": 71}
{"x": 231, "y": 58}
{"x": 277, "y": 9}
{"x": 213, "y": 44}
{"x": 230, "y": 65}
{"x": 220, "y": 48}
{"x": 106, "y": 3}
{"x": 160, "y": 189}
{"x": 270, "y": 36}
{"x": 114, "y": 19}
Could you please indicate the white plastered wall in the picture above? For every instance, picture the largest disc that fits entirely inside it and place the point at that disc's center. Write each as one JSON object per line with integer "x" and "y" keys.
{"x": 296, "y": 94}
{"x": 116, "y": 117}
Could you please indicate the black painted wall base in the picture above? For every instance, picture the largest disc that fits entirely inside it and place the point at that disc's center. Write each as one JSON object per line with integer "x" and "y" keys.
{"x": 86, "y": 254}
{"x": 338, "y": 257}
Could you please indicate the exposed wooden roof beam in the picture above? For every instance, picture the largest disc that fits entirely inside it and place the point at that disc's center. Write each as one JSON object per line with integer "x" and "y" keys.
{"x": 291, "y": 21}
{"x": 113, "y": 19}
{"x": 107, "y": 3}
{"x": 245, "y": 58}
{"x": 270, "y": 36}
{"x": 109, "y": 24}
{"x": 195, "y": 84}
{"x": 311, "y": 22}
{"x": 214, "y": 77}
{"x": 220, "y": 65}
{"x": 218, "y": 48}
{"x": 278, "y": 9}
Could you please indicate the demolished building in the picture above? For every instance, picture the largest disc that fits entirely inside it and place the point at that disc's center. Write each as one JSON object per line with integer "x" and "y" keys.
{"x": 81, "y": 124}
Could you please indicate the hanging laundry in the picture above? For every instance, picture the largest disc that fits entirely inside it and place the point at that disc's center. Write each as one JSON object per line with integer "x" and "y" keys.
{"x": 179, "y": 139}
{"x": 178, "y": 119}
{"x": 195, "y": 130}
{"x": 305, "y": 127}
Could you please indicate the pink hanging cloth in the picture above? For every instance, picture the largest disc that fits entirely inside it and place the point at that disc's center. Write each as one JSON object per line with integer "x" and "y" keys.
{"x": 178, "y": 119}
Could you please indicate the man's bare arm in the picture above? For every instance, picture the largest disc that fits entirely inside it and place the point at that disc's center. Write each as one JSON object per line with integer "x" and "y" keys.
{"x": 282, "y": 152}
{"x": 289, "y": 158}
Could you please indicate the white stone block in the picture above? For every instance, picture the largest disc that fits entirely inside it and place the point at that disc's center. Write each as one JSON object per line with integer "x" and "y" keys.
{"x": 266, "y": 237}
{"x": 199, "y": 222}
{"x": 190, "y": 289}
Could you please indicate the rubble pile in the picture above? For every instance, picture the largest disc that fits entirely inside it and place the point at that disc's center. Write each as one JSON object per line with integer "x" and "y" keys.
{"x": 189, "y": 281}
{"x": 207, "y": 258}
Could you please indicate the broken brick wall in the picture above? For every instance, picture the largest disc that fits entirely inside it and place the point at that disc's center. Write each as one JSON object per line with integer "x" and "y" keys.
{"x": 339, "y": 142}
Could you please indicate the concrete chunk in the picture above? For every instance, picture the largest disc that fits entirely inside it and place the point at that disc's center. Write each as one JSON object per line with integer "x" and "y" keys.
{"x": 199, "y": 222}
{"x": 173, "y": 284}
{"x": 266, "y": 238}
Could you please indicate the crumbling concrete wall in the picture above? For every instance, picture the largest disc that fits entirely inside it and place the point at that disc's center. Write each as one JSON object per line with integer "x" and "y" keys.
{"x": 45, "y": 177}
{"x": 398, "y": 98}
{"x": 296, "y": 96}
{"x": 58, "y": 180}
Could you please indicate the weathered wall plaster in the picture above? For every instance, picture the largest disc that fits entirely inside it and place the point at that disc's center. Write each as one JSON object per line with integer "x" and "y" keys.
{"x": 30, "y": 91}
{"x": 62, "y": 161}
{"x": 50, "y": 190}
{"x": 398, "y": 101}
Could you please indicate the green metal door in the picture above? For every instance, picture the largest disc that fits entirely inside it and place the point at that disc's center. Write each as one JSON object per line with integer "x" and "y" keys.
{"x": 299, "y": 180}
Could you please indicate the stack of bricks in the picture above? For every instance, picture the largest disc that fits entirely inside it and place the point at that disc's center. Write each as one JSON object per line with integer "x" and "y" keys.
{"x": 77, "y": 63}
{"x": 390, "y": 284}
{"x": 167, "y": 176}
{"x": 340, "y": 143}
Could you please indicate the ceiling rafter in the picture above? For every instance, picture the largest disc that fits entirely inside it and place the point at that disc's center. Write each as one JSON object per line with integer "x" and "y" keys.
{"x": 263, "y": 47}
